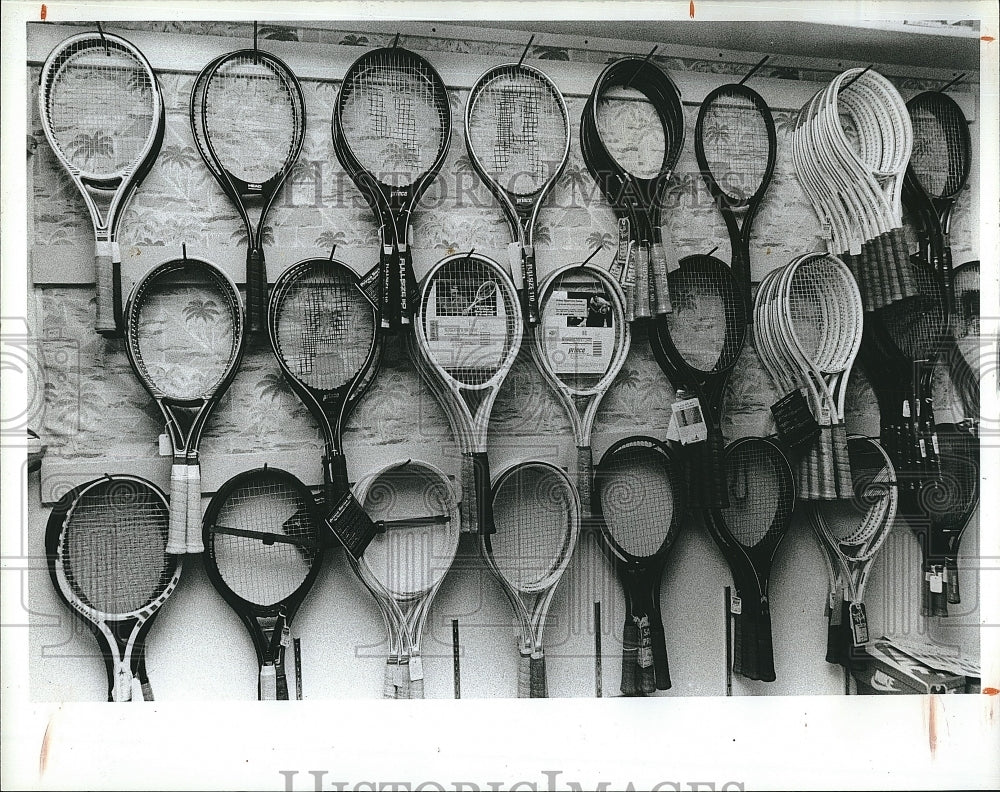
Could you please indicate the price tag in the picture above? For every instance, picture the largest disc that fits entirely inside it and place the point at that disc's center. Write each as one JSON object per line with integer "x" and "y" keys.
{"x": 286, "y": 636}
{"x": 691, "y": 427}
{"x": 416, "y": 668}
{"x": 735, "y": 604}
{"x": 906, "y": 408}
{"x": 859, "y": 623}
{"x": 836, "y": 609}
{"x": 166, "y": 449}
{"x": 936, "y": 578}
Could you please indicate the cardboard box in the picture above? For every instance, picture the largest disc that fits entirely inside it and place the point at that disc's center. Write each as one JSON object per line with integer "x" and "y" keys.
{"x": 889, "y": 671}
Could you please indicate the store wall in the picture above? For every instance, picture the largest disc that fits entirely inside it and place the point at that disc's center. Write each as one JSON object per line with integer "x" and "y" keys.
{"x": 98, "y": 419}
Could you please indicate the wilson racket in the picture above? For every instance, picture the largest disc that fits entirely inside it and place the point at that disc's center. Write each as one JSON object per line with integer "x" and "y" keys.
{"x": 761, "y": 501}
{"x": 323, "y": 331}
{"x": 639, "y": 496}
{"x": 536, "y": 511}
{"x": 468, "y": 333}
{"x": 263, "y": 552}
{"x": 248, "y": 120}
{"x": 415, "y": 508}
{"x": 105, "y": 543}
{"x": 941, "y": 159}
{"x": 852, "y": 531}
{"x": 391, "y": 132}
{"x": 736, "y": 146}
{"x": 102, "y": 113}
{"x": 697, "y": 346}
{"x": 185, "y": 339}
{"x": 517, "y": 135}
{"x": 632, "y": 132}
{"x": 580, "y": 347}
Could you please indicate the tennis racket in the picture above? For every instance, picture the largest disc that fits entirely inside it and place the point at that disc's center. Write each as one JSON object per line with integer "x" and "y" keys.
{"x": 248, "y": 121}
{"x": 262, "y": 554}
{"x": 102, "y": 113}
{"x": 697, "y": 346}
{"x": 391, "y": 132}
{"x": 185, "y": 339}
{"x": 735, "y": 145}
{"x": 964, "y": 353}
{"x": 852, "y": 532}
{"x": 536, "y": 511}
{"x": 517, "y": 135}
{"x": 467, "y": 335}
{"x": 323, "y": 330}
{"x": 415, "y": 508}
{"x": 105, "y": 543}
{"x": 632, "y": 133}
{"x": 761, "y": 501}
{"x": 941, "y": 159}
{"x": 639, "y": 497}
{"x": 580, "y": 347}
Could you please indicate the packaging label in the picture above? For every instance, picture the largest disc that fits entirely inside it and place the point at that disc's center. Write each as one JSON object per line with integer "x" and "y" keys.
{"x": 578, "y": 326}
{"x": 466, "y": 324}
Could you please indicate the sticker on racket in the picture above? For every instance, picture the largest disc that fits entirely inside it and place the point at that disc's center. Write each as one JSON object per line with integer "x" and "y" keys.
{"x": 517, "y": 135}
{"x": 105, "y": 543}
{"x": 580, "y": 347}
{"x": 536, "y": 511}
{"x": 248, "y": 121}
{"x": 102, "y": 113}
{"x": 262, "y": 554}
{"x": 185, "y": 339}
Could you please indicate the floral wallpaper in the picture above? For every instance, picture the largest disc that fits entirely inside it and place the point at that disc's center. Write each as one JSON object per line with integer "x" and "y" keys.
{"x": 94, "y": 402}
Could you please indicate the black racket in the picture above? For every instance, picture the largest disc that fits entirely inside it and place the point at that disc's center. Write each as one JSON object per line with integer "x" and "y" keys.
{"x": 639, "y": 495}
{"x": 185, "y": 339}
{"x": 964, "y": 352}
{"x": 102, "y": 113}
{"x": 248, "y": 120}
{"x": 262, "y": 554}
{"x": 323, "y": 331}
{"x": 761, "y": 500}
{"x": 632, "y": 132}
{"x": 735, "y": 144}
{"x": 106, "y": 546}
{"x": 391, "y": 131}
{"x": 697, "y": 346}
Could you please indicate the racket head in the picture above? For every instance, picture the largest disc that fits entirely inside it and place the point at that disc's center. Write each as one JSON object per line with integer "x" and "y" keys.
{"x": 392, "y": 118}
{"x": 263, "y": 547}
{"x": 942, "y": 146}
{"x": 252, "y": 120}
{"x": 735, "y": 144}
{"x": 965, "y": 330}
{"x": 100, "y": 106}
{"x": 469, "y": 324}
{"x": 416, "y": 504}
{"x": 322, "y": 326}
{"x": 639, "y": 492}
{"x": 185, "y": 330}
{"x": 915, "y": 328}
{"x": 517, "y": 131}
{"x": 536, "y": 511}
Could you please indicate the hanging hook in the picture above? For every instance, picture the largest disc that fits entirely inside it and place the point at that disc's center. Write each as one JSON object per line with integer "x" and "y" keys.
{"x": 469, "y": 254}
{"x": 953, "y": 83}
{"x": 593, "y": 253}
{"x": 754, "y": 70}
{"x": 712, "y": 250}
{"x": 104, "y": 40}
{"x": 333, "y": 250}
{"x": 855, "y": 78}
{"x": 184, "y": 251}
{"x": 526, "y": 48}
{"x": 395, "y": 42}
{"x": 641, "y": 65}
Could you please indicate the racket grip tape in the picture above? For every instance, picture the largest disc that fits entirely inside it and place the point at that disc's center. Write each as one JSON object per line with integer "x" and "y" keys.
{"x": 530, "y": 286}
{"x": 107, "y": 278}
{"x": 177, "y": 532}
{"x": 415, "y": 674}
{"x": 642, "y": 307}
{"x": 630, "y": 653}
{"x": 409, "y": 293}
{"x": 194, "y": 542}
{"x": 954, "y": 594}
{"x": 389, "y": 682}
{"x": 647, "y": 666}
{"x": 468, "y": 507}
{"x": 584, "y": 475}
{"x": 524, "y": 674}
{"x": 536, "y": 674}
{"x": 256, "y": 292}
{"x": 281, "y": 681}
{"x": 661, "y": 668}
{"x": 765, "y": 644}
{"x": 842, "y": 455}
{"x": 267, "y": 683}
{"x": 660, "y": 280}
{"x": 481, "y": 471}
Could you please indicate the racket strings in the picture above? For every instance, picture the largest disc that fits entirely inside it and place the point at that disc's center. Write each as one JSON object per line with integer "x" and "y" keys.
{"x": 736, "y": 144}
{"x": 324, "y": 328}
{"x": 100, "y": 105}
{"x": 940, "y": 147}
{"x": 518, "y": 129}
{"x": 114, "y": 548}
{"x": 395, "y": 118}
{"x": 821, "y": 312}
{"x": 853, "y": 521}
{"x": 531, "y": 512}
{"x": 633, "y": 132}
{"x": 253, "y": 117}
{"x": 638, "y": 490}
{"x": 708, "y": 321}
{"x": 185, "y": 331}
{"x": 917, "y": 326}
{"x": 760, "y": 493}
{"x": 260, "y": 570}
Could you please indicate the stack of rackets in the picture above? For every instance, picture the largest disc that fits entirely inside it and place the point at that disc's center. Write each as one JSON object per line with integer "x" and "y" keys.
{"x": 631, "y": 135}
{"x": 807, "y": 330}
{"x": 851, "y": 145}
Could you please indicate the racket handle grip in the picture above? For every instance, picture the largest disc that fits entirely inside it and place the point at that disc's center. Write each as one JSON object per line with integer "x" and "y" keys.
{"x": 925, "y": 592}
{"x": 256, "y": 292}
{"x": 408, "y": 291}
{"x": 403, "y": 687}
{"x": 842, "y": 456}
{"x": 661, "y": 668}
{"x": 267, "y": 683}
{"x": 954, "y": 594}
{"x": 281, "y": 682}
{"x": 177, "y": 530}
{"x": 750, "y": 651}
{"x": 584, "y": 476}
{"x": 530, "y": 286}
{"x": 642, "y": 307}
{"x": 833, "y": 653}
{"x": 537, "y": 675}
{"x": 939, "y": 599}
{"x": 469, "y": 505}
{"x": 765, "y": 646}
{"x": 481, "y": 470}
{"x": 415, "y": 675}
{"x": 147, "y": 690}
{"x": 389, "y": 682}
{"x": 194, "y": 541}
{"x": 661, "y": 282}
{"x": 107, "y": 278}
{"x": 737, "y": 646}
{"x": 524, "y": 674}
{"x": 630, "y": 655}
